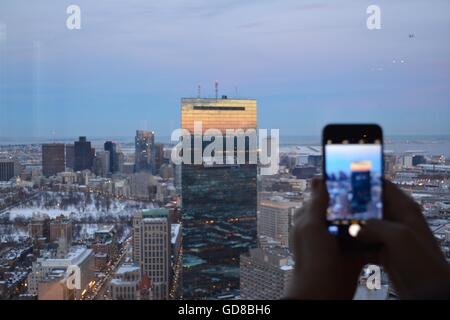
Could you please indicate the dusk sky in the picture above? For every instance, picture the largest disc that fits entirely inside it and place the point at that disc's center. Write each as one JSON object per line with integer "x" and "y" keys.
{"x": 307, "y": 63}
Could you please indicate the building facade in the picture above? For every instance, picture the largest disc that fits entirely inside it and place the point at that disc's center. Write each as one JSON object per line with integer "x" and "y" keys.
{"x": 9, "y": 168}
{"x": 144, "y": 143}
{"x": 53, "y": 159}
{"x": 219, "y": 202}
{"x": 83, "y": 155}
{"x": 275, "y": 219}
{"x": 152, "y": 247}
{"x": 265, "y": 273}
{"x": 111, "y": 147}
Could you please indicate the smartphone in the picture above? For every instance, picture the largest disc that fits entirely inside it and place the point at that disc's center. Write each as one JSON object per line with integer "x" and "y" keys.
{"x": 353, "y": 172}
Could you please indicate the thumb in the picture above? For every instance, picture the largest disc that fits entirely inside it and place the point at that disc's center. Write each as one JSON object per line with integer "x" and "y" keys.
{"x": 379, "y": 232}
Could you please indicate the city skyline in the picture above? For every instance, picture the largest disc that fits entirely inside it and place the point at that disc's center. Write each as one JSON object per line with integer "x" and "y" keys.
{"x": 61, "y": 82}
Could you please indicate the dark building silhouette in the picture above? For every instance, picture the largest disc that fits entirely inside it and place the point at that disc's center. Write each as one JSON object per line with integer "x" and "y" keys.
{"x": 83, "y": 155}
{"x": 158, "y": 157}
{"x": 53, "y": 159}
{"x": 113, "y": 156}
{"x": 304, "y": 172}
{"x": 9, "y": 168}
{"x": 418, "y": 159}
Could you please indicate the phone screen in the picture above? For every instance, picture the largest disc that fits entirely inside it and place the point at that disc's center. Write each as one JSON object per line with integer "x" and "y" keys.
{"x": 353, "y": 173}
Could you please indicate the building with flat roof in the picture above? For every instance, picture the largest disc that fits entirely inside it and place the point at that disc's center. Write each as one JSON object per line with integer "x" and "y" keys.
{"x": 53, "y": 158}
{"x": 219, "y": 201}
{"x": 151, "y": 248}
{"x": 265, "y": 273}
{"x": 44, "y": 268}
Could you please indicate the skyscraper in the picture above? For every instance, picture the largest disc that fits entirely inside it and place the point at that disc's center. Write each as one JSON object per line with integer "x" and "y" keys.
{"x": 151, "y": 248}
{"x": 83, "y": 155}
{"x": 144, "y": 142}
{"x": 9, "y": 168}
{"x": 218, "y": 201}
{"x": 70, "y": 156}
{"x": 158, "y": 157}
{"x": 111, "y": 147}
{"x": 53, "y": 159}
{"x": 102, "y": 163}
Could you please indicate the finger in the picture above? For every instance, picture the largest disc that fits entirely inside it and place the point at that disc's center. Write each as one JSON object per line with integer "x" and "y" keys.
{"x": 319, "y": 201}
{"x": 399, "y": 206}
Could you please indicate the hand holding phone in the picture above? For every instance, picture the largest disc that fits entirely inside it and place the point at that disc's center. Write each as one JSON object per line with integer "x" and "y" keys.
{"x": 353, "y": 172}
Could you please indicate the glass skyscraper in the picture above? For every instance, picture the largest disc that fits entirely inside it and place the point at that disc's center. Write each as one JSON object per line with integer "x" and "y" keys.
{"x": 113, "y": 156}
{"x": 144, "y": 143}
{"x": 218, "y": 202}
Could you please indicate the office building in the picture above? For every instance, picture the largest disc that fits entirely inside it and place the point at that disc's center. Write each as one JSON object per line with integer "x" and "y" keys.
{"x": 83, "y": 155}
{"x": 102, "y": 163}
{"x": 158, "y": 157}
{"x": 9, "y": 168}
{"x": 127, "y": 284}
{"x": 265, "y": 273}
{"x": 111, "y": 147}
{"x": 144, "y": 143}
{"x": 53, "y": 159}
{"x": 152, "y": 248}
{"x": 46, "y": 269}
{"x": 219, "y": 202}
{"x": 275, "y": 219}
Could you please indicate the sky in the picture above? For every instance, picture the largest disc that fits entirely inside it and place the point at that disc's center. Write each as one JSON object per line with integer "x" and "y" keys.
{"x": 308, "y": 63}
{"x": 340, "y": 157}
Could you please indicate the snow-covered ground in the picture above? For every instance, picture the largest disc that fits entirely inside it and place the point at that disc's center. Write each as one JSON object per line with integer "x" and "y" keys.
{"x": 12, "y": 233}
{"x": 76, "y": 206}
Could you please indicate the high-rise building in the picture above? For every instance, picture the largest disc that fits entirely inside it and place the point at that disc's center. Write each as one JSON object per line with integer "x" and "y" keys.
{"x": 275, "y": 219}
{"x": 70, "y": 156}
{"x": 265, "y": 273}
{"x": 102, "y": 163}
{"x": 152, "y": 247}
{"x": 111, "y": 147}
{"x": 158, "y": 157}
{"x": 9, "y": 168}
{"x": 219, "y": 202}
{"x": 53, "y": 159}
{"x": 144, "y": 142}
{"x": 83, "y": 155}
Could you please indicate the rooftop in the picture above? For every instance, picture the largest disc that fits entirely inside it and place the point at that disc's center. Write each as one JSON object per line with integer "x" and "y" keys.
{"x": 155, "y": 213}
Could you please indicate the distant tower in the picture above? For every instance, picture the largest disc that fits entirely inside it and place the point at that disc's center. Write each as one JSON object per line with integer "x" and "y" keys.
{"x": 199, "y": 91}
{"x": 216, "y": 86}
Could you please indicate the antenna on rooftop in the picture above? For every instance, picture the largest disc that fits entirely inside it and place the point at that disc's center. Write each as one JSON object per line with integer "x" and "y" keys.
{"x": 199, "y": 91}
